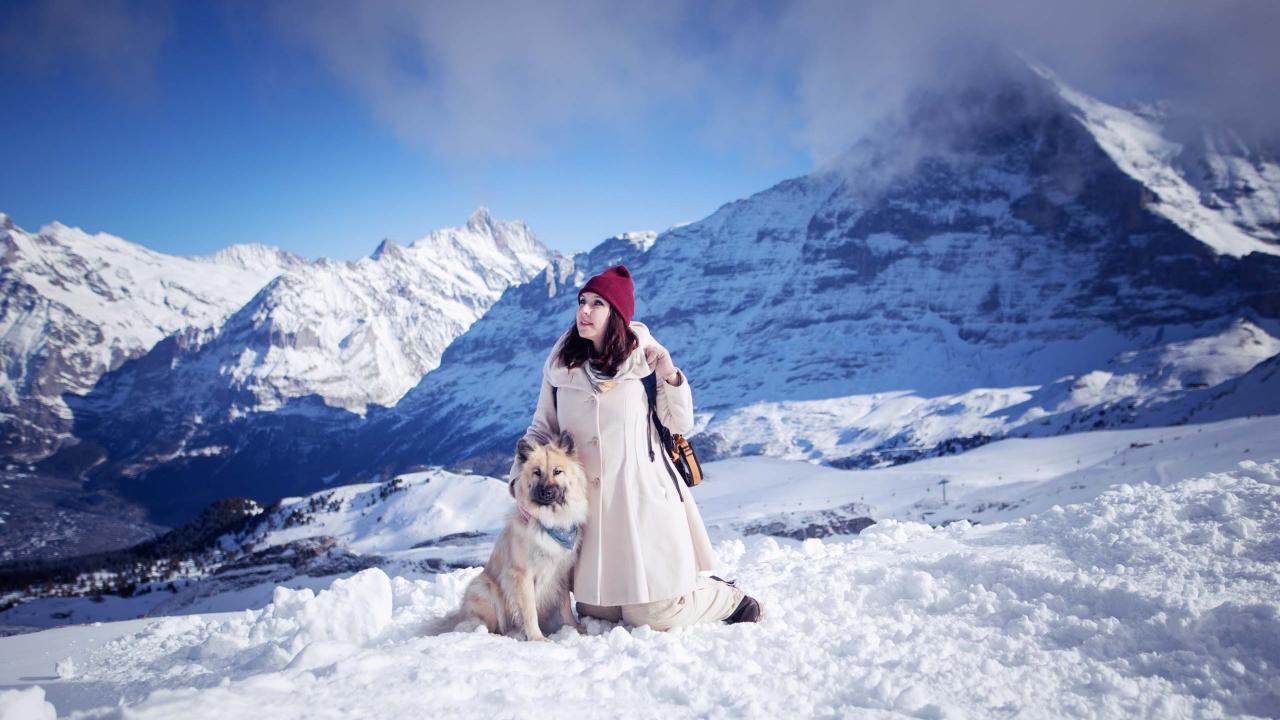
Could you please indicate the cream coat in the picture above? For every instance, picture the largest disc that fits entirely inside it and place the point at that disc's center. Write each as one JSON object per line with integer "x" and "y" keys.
{"x": 644, "y": 539}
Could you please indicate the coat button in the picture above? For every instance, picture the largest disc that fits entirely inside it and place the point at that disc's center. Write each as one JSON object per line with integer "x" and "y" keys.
{"x": 595, "y": 481}
{"x": 595, "y": 441}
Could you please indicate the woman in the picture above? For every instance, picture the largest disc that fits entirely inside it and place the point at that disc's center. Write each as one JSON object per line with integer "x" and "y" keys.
{"x": 644, "y": 543}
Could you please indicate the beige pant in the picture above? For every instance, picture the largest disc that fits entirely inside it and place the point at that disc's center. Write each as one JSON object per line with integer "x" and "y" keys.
{"x": 711, "y": 600}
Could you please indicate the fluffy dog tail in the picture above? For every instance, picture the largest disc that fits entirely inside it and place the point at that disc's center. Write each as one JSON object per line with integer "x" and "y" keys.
{"x": 442, "y": 625}
{"x": 455, "y": 621}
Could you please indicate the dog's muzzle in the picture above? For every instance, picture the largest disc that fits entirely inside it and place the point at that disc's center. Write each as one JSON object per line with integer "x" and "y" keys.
{"x": 544, "y": 494}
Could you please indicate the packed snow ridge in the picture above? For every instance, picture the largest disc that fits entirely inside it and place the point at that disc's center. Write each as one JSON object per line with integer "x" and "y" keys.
{"x": 1147, "y": 600}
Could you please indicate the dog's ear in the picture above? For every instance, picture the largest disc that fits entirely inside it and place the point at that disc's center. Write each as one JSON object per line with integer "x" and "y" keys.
{"x": 524, "y": 449}
{"x": 565, "y": 442}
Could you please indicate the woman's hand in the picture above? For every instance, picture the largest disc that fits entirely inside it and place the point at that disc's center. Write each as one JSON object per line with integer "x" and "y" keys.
{"x": 660, "y": 360}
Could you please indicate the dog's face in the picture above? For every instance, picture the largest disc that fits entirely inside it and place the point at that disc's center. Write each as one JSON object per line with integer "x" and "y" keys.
{"x": 551, "y": 483}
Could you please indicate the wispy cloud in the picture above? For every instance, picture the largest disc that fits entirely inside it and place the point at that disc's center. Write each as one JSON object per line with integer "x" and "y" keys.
{"x": 485, "y": 79}
{"x": 853, "y": 62}
{"x": 490, "y": 79}
{"x": 116, "y": 42}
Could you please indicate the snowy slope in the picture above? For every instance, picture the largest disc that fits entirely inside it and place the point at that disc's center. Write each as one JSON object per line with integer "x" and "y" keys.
{"x": 419, "y": 522}
{"x": 78, "y": 305}
{"x": 1162, "y": 385}
{"x": 1141, "y": 600}
{"x": 1240, "y": 180}
{"x": 1218, "y": 189}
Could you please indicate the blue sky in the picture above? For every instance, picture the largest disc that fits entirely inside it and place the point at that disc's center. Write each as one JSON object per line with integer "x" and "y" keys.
{"x": 242, "y": 136}
{"x": 322, "y": 126}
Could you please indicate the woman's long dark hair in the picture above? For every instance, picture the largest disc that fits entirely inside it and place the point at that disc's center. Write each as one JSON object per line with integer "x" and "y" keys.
{"x": 619, "y": 343}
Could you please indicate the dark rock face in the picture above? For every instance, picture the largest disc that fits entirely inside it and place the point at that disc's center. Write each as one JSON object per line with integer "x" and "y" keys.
{"x": 470, "y": 537}
{"x": 844, "y": 520}
{"x": 315, "y": 556}
{"x": 903, "y": 449}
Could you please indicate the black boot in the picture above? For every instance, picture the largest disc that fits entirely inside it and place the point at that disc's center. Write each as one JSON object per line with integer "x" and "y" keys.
{"x": 748, "y": 610}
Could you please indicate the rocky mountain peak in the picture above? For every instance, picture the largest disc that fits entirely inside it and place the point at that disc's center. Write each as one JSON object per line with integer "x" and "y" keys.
{"x": 256, "y": 255}
{"x": 481, "y": 220}
{"x": 386, "y": 247}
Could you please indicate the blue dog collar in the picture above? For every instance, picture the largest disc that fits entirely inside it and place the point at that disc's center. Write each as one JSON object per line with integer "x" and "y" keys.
{"x": 565, "y": 537}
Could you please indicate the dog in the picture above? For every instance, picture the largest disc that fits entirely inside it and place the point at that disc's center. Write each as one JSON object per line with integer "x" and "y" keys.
{"x": 529, "y": 573}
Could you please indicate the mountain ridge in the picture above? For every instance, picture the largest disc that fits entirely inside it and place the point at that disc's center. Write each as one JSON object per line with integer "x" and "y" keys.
{"x": 996, "y": 307}
{"x": 981, "y": 268}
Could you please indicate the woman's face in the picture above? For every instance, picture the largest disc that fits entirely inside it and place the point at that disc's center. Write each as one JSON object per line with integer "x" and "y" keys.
{"x": 593, "y": 316}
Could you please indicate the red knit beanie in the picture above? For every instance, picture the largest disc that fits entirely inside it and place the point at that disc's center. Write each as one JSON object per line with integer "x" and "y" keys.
{"x": 615, "y": 286}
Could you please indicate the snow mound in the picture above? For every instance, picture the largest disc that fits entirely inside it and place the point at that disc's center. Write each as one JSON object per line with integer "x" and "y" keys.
{"x": 27, "y": 704}
{"x": 354, "y": 610}
{"x": 1145, "y": 601}
{"x": 1187, "y": 544}
{"x": 300, "y": 629}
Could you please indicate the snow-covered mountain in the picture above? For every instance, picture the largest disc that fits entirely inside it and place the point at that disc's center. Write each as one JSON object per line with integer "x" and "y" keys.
{"x": 1240, "y": 181}
{"x": 158, "y": 361}
{"x": 1083, "y": 298}
{"x": 1213, "y": 185}
{"x": 316, "y": 347}
{"x": 76, "y": 306}
{"x": 1008, "y": 257}
{"x": 352, "y": 334}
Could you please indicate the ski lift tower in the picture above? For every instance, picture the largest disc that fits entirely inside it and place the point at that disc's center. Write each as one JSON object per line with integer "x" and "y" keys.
{"x": 944, "y": 482}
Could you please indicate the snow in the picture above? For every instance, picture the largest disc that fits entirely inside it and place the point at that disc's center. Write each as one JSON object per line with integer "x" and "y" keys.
{"x": 251, "y": 328}
{"x": 1243, "y": 182}
{"x": 353, "y": 610}
{"x": 1133, "y": 573}
{"x": 641, "y": 240}
{"x": 28, "y": 704}
{"x": 1112, "y": 573}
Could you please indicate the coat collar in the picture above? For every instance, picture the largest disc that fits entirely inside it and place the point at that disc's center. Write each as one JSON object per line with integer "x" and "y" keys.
{"x": 560, "y": 377}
